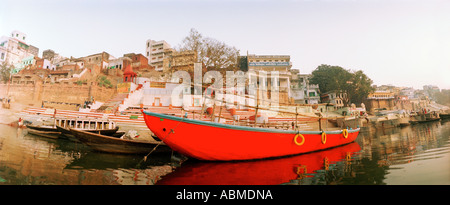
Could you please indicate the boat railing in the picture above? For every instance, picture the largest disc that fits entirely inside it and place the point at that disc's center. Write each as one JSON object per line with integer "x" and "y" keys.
{"x": 85, "y": 123}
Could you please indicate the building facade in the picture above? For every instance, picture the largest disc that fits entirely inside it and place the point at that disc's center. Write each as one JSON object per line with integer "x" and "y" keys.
{"x": 302, "y": 92}
{"x": 14, "y": 48}
{"x": 99, "y": 59}
{"x": 138, "y": 61}
{"x": 182, "y": 60}
{"x": 380, "y": 100}
{"x": 262, "y": 66}
{"x": 155, "y": 53}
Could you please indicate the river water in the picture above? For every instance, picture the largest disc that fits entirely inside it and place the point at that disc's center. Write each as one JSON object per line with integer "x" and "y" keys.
{"x": 413, "y": 155}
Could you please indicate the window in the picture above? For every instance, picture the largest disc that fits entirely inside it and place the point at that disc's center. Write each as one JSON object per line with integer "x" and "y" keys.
{"x": 196, "y": 102}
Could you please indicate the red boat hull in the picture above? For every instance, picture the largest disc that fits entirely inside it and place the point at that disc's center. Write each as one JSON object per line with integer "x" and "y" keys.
{"x": 219, "y": 142}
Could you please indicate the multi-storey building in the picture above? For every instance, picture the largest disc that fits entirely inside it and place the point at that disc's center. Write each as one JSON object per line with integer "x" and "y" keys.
{"x": 99, "y": 59}
{"x": 14, "y": 48}
{"x": 269, "y": 63}
{"x": 180, "y": 60}
{"x": 155, "y": 52}
{"x": 302, "y": 91}
{"x": 380, "y": 100}
{"x": 138, "y": 61}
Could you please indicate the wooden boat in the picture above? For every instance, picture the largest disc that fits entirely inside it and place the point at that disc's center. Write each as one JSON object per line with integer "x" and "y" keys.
{"x": 404, "y": 124}
{"x": 47, "y": 134}
{"x": 444, "y": 116}
{"x": 426, "y": 120}
{"x": 100, "y": 126}
{"x": 221, "y": 142}
{"x": 108, "y": 132}
{"x": 116, "y": 145}
{"x": 47, "y": 128}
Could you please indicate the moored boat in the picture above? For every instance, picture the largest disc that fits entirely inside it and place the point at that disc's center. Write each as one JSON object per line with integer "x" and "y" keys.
{"x": 47, "y": 134}
{"x": 116, "y": 145}
{"x": 66, "y": 131}
{"x": 46, "y": 128}
{"x": 221, "y": 142}
{"x": 444, "y": 116}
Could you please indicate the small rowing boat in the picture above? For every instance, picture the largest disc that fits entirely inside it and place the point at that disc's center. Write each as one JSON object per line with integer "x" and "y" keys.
{"x": 67, "y": 133}
{"x": 47, "y": 134}
{"x": 116, "y": 145}
{"x": 47, "y": 128}
{"x": 221, "y": 142}
{"x": 444, "y": 116}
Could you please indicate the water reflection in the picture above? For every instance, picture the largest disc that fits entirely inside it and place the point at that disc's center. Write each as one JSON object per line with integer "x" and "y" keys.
{"x": 29, "y": 159}
{"x": 417, "y": 154}
{"x": 388, "y": 153}
{"x": 291, "y": 170}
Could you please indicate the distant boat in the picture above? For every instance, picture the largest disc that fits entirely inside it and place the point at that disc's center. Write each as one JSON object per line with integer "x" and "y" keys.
{"x": 404, "y": 124}
{"x": 116, "y": 145}
{"x": 221, "y": 142}
{"x": 444, "y": 116}
{"x": 422, "y": 118}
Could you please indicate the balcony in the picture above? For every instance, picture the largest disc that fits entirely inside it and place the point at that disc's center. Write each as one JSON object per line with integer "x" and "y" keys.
{"x": 313, "y": 86}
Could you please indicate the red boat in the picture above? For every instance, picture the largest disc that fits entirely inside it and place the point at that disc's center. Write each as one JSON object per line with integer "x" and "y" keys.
{"x": 221, "y": 142}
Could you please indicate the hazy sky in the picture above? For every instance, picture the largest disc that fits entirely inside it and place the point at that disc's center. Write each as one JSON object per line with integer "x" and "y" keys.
{"x": 398, "y": 42}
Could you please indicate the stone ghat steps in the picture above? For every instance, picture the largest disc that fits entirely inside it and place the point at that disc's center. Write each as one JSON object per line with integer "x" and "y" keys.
{"x": 113, "y": 103}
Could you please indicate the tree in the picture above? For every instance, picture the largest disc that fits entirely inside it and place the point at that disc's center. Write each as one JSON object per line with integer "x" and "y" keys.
{"x": 5, "y": 72}
{"x": 443, "y": 97}
{"x": 356, "y": 85}
{"x": 362, "y": 87}
{"x": 213, "y": 53}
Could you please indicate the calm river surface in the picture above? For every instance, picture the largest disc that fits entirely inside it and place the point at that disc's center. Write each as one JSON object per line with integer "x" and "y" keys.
{"x": 414, "y": 155}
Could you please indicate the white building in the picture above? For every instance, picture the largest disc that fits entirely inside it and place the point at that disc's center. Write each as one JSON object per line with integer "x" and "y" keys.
{"x": 14, "y": 48}
{"x": 154, "y": 51}
{"x": 264, "y": 66}
{"x": 302, "y": 91}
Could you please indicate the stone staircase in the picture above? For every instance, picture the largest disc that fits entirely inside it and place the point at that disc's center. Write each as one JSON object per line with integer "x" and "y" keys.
{"x": 112, "y": 104}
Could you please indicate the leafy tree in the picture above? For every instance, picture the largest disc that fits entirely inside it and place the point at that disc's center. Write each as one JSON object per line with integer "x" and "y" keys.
{"x": 356, "y": 85}
{"x": 213, "y": 53}
{"x": 361, "y": 87}
{"x": 443, "y": 97}
{"x": 5, "y": 72}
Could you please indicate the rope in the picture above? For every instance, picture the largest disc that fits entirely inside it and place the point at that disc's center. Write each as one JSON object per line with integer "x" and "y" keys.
{"x": 171, "y": 131}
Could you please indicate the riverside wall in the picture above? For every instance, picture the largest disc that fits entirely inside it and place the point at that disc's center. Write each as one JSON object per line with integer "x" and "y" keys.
{"x": 56, "y": 95}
